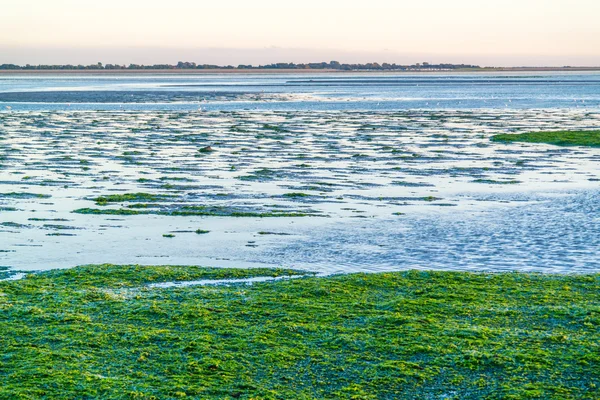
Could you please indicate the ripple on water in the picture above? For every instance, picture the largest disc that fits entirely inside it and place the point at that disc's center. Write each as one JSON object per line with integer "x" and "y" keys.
{"x": 553, "y": 234}
{"x": 382, "y": 179}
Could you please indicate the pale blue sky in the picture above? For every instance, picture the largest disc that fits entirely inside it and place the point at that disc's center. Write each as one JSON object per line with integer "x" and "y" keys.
{"x": 509, "y": 32}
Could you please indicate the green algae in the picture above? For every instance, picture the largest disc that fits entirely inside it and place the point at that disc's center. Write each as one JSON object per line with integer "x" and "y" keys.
{"x": 10, "y": 224}
{"x": 97, "y": 332}
{"x": 263, "y": 174}
{"x": 497, "y": 182}
{"x": 143, "y": 205}
{"x": 201, "y": 211}
{"x": 59, "y": 227}
{"x": 296, "y": 195}
{"x": 110, "y": 275}
{"x": 274, "y": 128}
{"x": 206, "y": 150}
{"x": 559, "y": 138}
{"x": 15, "y": 195}
{"x": 129, "y": 197}
{"x": 224, "y": 212}
{"x": 97, "y": 211}
{"x": 48, "y": 219}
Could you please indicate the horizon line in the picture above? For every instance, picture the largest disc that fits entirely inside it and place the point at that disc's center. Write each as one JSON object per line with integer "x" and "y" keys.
{"x": 321, "y": 65}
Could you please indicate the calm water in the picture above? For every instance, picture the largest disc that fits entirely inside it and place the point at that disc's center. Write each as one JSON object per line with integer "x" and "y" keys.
{"x": 302, "y": 92}
{"x": 397, "y": 171}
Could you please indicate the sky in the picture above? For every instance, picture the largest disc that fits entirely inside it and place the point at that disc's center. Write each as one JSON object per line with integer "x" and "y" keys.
{"x": 498, "y": 33}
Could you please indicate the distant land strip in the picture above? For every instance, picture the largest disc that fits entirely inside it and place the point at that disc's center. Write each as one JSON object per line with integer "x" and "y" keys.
{"x": 332, "y": 66}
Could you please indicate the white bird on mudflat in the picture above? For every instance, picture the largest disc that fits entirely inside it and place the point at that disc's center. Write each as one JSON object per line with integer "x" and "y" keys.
{"x": 8, "y": 107}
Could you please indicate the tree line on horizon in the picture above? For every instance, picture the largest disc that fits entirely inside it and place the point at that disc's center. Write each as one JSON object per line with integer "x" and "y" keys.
{"x": 333, "y": 65}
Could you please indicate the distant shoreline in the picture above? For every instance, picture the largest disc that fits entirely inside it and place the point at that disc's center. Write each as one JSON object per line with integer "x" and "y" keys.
{"x": 285, "y": 71}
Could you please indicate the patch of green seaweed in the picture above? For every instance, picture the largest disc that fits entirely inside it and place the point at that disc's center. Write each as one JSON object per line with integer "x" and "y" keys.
{"x": 497, "y": 182}
{"x": 263, "y": 174}
{"x": 130, "y": 197}
{"x": 208, "y": 211}
{"x": 97, "y": 332}
{"x": 297, "y": 195}
{"x": 15, "y": 195}
{"x": 559, "y": 138}
{"x": 13, "y": 225}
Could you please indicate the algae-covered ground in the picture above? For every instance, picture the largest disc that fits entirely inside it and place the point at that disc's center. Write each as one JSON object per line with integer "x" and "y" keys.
{"x": 102, "y": 332}
{"x": 559, "y": 138}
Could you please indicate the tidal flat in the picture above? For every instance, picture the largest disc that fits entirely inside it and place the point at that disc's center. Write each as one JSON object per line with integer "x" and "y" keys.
{"x": 345, "y": 191}
{"x": 109, "y": 331}
{"x": 379, "y": 241}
